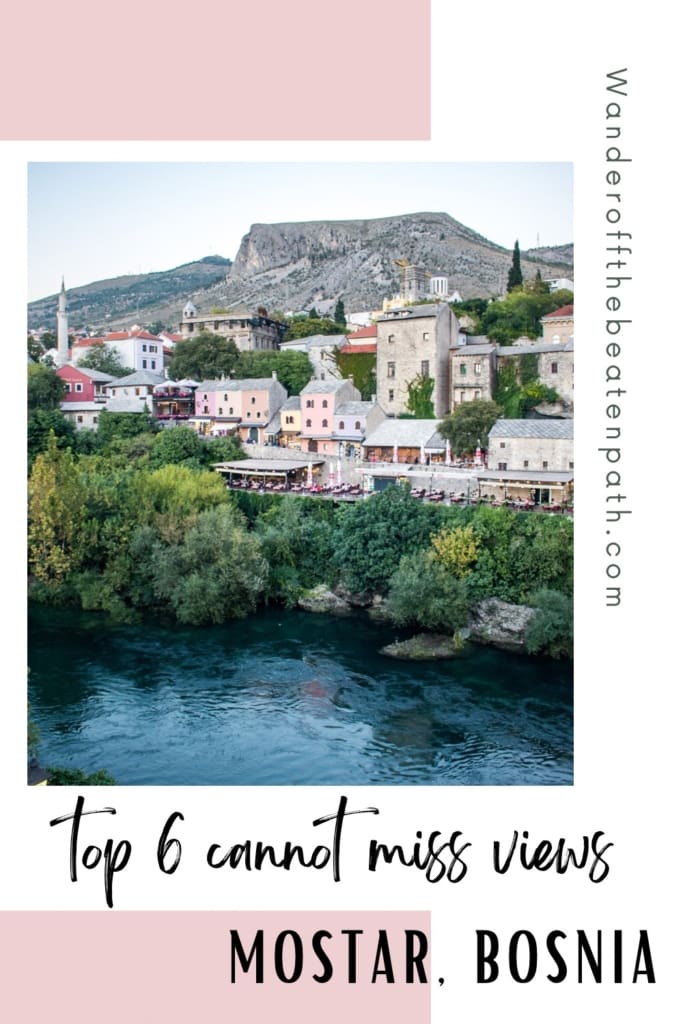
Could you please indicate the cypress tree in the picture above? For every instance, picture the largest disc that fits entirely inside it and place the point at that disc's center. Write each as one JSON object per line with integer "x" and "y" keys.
{"x": 340, "y": 312}
{"x": 515, "y": 279}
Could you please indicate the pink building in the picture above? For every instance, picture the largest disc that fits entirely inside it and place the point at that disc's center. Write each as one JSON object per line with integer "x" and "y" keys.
{"x": 320, "y": 400}
{"x": 245, "y": 407}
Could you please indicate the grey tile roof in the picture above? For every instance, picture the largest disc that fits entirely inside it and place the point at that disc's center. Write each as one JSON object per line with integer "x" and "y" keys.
{"x": 324, "y": 387}
{"x": 354, "y": 408}
{"x": 291, "y": 403}
{"x": 126, "y": 405}
{"x": 533, "y": 428}
{"x": 404, "y": 433}
{"x": 472, "y": 350}
{"x": 245, "y": 384}
{"x": 140, "y": 377}
{"x": 541, "y": 347}
{"x": 411, "y": 312}
{"x": 96, "y": 375}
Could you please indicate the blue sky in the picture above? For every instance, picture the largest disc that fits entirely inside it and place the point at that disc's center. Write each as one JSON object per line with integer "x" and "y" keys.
{"x": 89, "y": 221}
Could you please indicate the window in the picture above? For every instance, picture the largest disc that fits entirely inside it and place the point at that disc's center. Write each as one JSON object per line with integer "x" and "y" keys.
{"x": 216, "y": 324}
{"x": 553, "y": 367}
{"x": 424, "y": 367}
{"x": 230, "y": 411}
{"x": 391, "y": 338}
{"x": 152, "y": 348}
{"x": 309, "y": 403}
{"x": 324, "y": 403}
{"x": 391, "y": 369}
{"x": 502, "y": 444}
{"x": 79, "y": 419}
{"x": 502, "y": 465}
{"x": 190, "y": 328}
{"x": 324, "y": 423}
{"x": 225, "y": 398}
{"x": 289, "y": 419}
{"x": 205, "y": 397}
{"x": 425, "y": 336}
{"x": 78, "y": 387}
{"x": 526, "y": 464}
{"x": 144, "y": 364}
{"x": 391, "y": 395}
{"x": 253, "y": 400}
{"x": 249, "y": 414}
{"x": 206, "y": 409}
{"x": 477, "y": 369}
{"x": 545, "y": 465}
{"x": 357, "y": 424}
{"x": 153, "y": 364}
{"x": 137, "y": 391}
{"x": 463, "y": 369}
{"x": 220, "y": 410}
{"x": 144, "y": 348}
{"x": 94, "y": 419}
{"x": 571, "y": 465}
{"x": 341, "y": 424}
{"x": 308, "y": 423}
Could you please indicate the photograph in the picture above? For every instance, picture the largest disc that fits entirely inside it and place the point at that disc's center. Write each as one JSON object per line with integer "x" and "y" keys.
{"x": 300, "y": 473}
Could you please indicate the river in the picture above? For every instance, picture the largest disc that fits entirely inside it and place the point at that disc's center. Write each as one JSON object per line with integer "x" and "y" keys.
{"x": 290, "y": 698}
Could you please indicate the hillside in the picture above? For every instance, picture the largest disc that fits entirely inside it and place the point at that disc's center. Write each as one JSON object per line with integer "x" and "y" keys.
{"x": 294, "y": 266}
{"x": 121, "y": 301}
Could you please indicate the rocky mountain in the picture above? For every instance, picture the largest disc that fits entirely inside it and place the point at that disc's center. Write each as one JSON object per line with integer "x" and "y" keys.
{"x": 299, "y": 265}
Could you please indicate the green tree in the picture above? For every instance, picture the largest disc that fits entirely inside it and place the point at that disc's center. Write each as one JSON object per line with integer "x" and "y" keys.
{"x": 297, "y": 541}
{"x": 467, "y": 426}
{"x": 422, "y": 592}
{"x": 293, "y": 369}
{"x": 206, "y": 357}
{"x": 35, "y": 348}
{"x": 57, "y": 503}
{"x": 105, "y": 359}
{"x": 41, "y": 424}
{"x": 179, "y": 445}
{"x": 215, "y": 573}
{"x": 515, "y": 276}
{"x": 45, "y": 389}
{"x": 551, "y": 630}
{"x": 313, "y": 325}
{"x": 362, "y": 367}
{"x": 77, "y": 777}
{"x": 340, "y": 312}
{"x": 116, "y": 425}
{"x": 419, "y": 401}
{"x": 374, "y": 534}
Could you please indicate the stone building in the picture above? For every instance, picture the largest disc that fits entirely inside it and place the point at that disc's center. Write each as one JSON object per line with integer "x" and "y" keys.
{"x": 558, "y": 326}
{"x": 411, "y": 342}
{"x": 554, "y": 366}
{"x": 532, "y": 444}
{"x": 472, "y": 373}
{"x": 249, "y": 332}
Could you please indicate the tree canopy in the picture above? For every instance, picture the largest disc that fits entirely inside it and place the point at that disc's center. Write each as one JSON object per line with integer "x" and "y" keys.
{"x": 105, "y": 359}
{"x": 45, "y": 389}
{"x": 206, "y": 357}
{"x": 515, "y": 276}
{"x": 293, "y": 369}
{"x": 467, "y": 426}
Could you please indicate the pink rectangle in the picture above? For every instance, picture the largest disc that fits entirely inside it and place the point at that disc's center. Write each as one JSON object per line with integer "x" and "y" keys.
{"x": 142, "y": 70}
{"x": 177, "y": 966}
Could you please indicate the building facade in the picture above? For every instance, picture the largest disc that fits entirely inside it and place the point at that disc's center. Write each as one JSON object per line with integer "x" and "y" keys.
{"x": 414, "y": 342}
{"x": 249, "y": 332}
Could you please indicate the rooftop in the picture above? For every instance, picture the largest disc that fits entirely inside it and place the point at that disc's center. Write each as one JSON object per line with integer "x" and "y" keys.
{"x": 404, "y": 433}
{"x": 533, "y": 428}
{"x": 563, "y": 313}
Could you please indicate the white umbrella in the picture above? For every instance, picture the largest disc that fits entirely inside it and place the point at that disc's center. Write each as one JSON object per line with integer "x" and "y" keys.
{"x": 395, "y": 453}
{"x": 422, "y": 454}
{"x": 448, "y": 452}
{"x": 309, "y": 480}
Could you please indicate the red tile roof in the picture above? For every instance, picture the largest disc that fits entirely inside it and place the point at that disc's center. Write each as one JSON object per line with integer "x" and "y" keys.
{"x": 364, "y": 332}
{"x": 86, "y": 342}
{"x": 357, "y": 350}
{"x": 561, "y": 313}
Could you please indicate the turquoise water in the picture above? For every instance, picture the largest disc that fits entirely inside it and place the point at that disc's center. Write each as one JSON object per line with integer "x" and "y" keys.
{"x": 290, "y": 698}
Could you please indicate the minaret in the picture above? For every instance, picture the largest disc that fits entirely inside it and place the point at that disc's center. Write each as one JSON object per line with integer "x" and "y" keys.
{"x": 62, "y": 329}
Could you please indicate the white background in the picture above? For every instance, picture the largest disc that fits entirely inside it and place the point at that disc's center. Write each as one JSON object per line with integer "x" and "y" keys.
{"x": 519, "y": 81}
